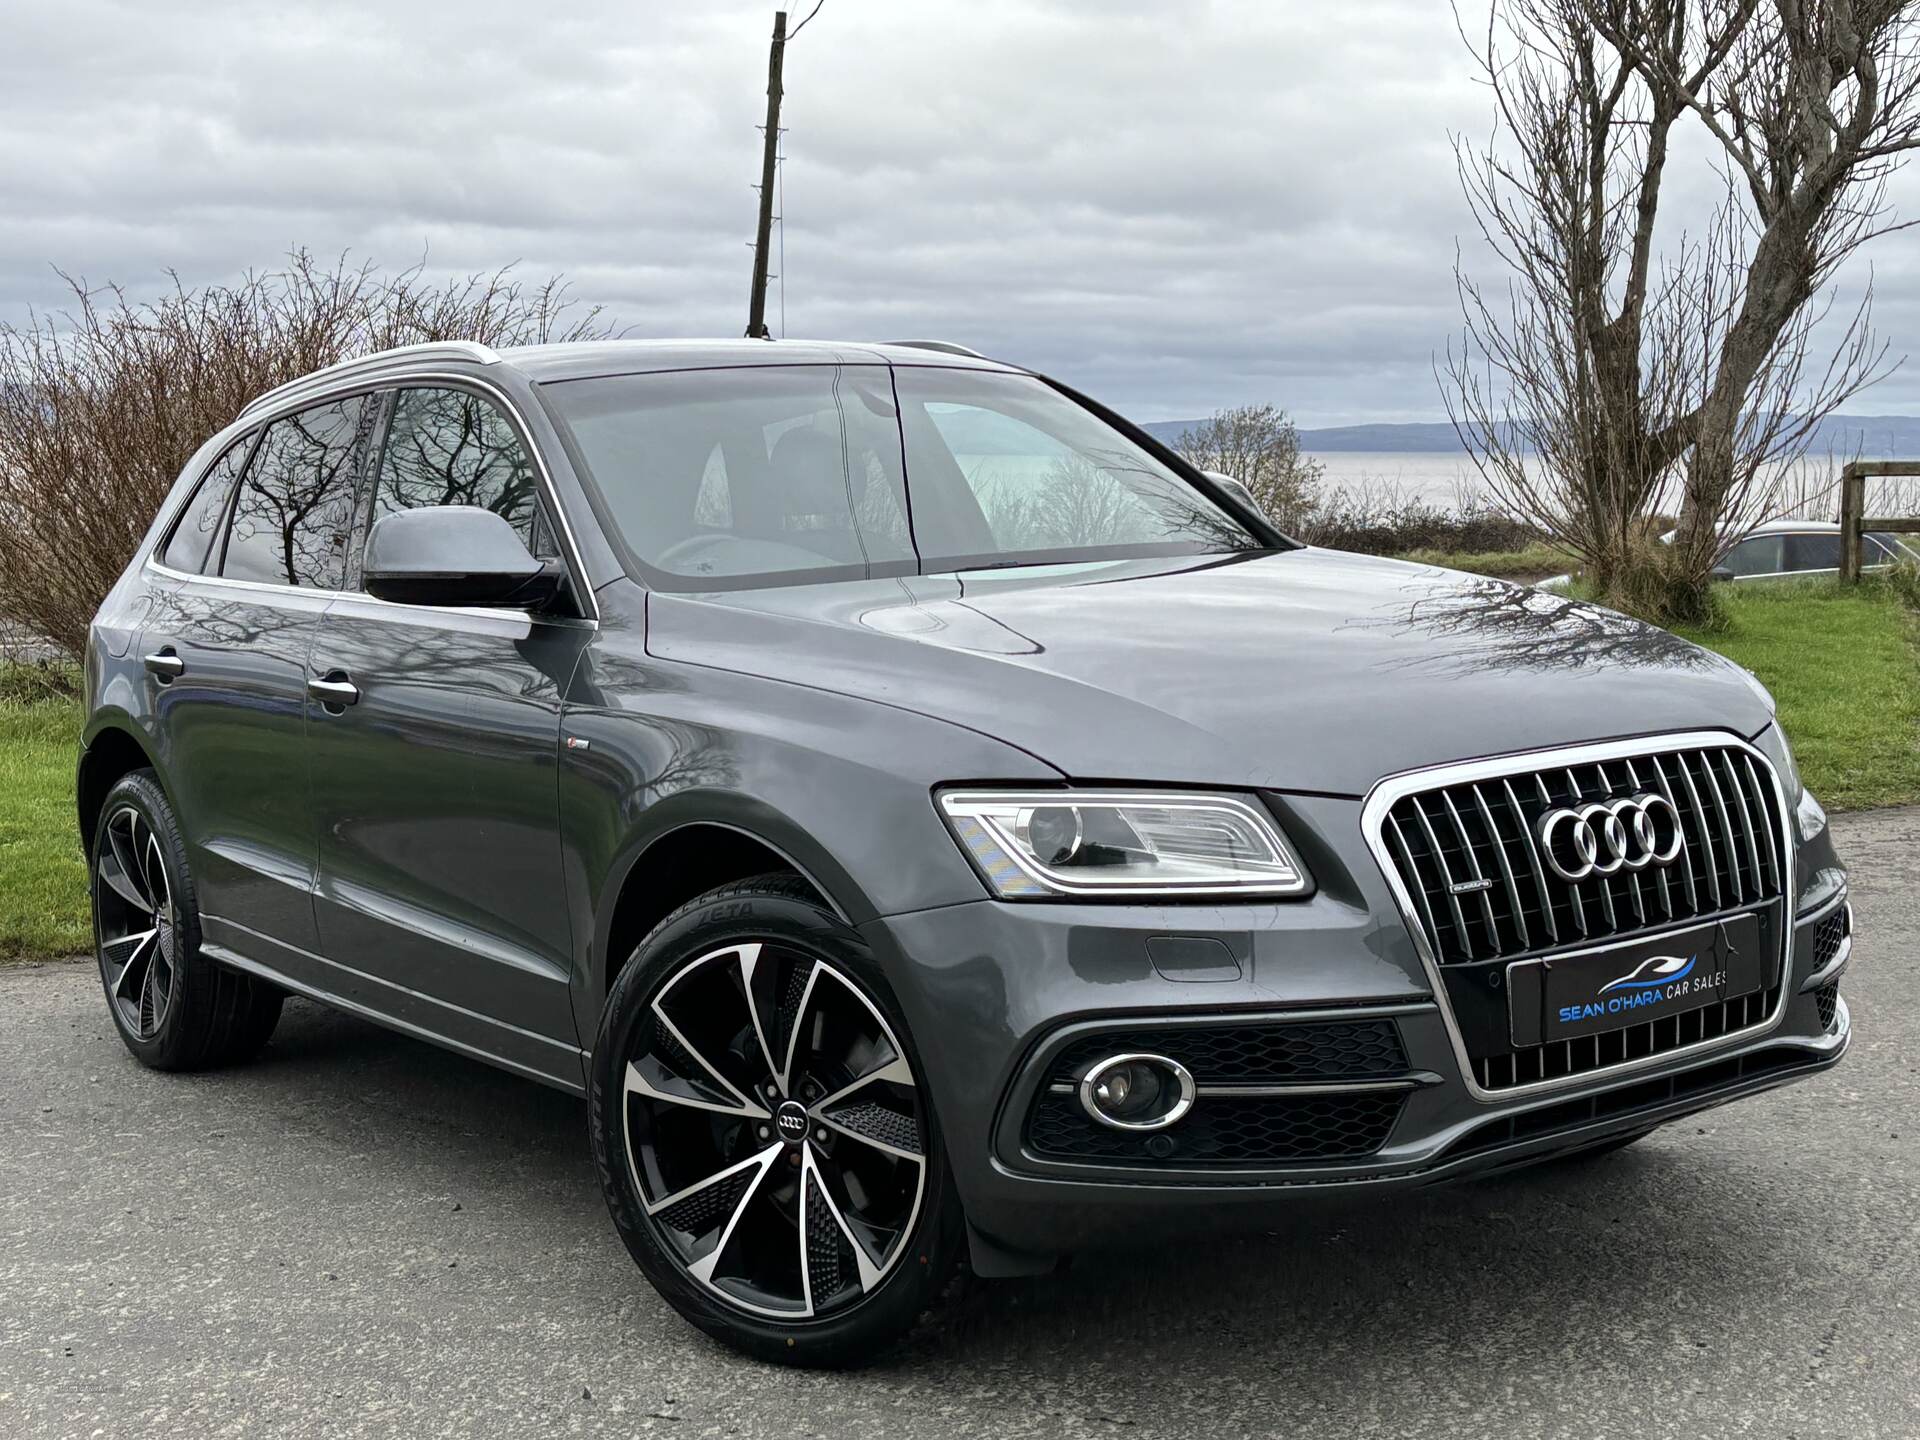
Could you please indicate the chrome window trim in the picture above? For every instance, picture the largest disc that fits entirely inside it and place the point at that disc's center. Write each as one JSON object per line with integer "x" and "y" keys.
{"x": 1389, "y": 791}
{"x": 362, "y": 384}
{"x": 361, "y": 597}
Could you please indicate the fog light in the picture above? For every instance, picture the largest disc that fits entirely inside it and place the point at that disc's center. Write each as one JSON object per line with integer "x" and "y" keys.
{"x": 1137, "y": 1092}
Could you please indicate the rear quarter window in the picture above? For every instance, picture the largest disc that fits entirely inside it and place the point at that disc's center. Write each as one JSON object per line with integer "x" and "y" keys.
{"x": 198, "y": 527}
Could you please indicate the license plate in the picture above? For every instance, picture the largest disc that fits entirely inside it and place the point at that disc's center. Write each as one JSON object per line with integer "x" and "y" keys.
{"x": 1623, "y": 985}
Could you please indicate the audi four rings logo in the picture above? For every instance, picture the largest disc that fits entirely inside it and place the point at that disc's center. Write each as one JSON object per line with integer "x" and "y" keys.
{"x": 1608, "y": 836}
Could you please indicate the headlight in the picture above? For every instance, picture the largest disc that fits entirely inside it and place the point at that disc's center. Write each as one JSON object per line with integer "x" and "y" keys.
{"x": 1784, "y": 762}
{"x": 1072, "y": 842}
{"x": 1809, "y": 819}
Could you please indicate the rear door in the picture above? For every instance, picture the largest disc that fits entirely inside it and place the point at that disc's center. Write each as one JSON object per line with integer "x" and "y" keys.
{"x": 257, "y": 556}
{"x": 435, "y": 770}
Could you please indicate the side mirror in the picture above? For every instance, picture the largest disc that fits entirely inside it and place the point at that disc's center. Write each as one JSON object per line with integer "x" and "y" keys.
{"x": 454, "y": 555}
{"x": 1720, "y": 572}
{"x": 1236, "y": 488}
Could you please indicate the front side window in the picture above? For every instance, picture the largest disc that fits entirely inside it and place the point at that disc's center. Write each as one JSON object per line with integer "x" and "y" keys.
{"x": 1003, "y": 468}
{"x": 295, "y": 507}
{"x": 727, "y": 475}
{"x": 452, "y": 447}
{"x": 193, "y": 537}
{"x": 1820, "y": 551}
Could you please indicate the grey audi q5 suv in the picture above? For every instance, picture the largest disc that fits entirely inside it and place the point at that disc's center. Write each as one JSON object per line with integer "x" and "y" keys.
{"x": 926, "y": 819}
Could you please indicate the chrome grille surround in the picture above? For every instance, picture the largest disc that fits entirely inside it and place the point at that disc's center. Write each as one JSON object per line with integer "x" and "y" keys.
{"x": 1771, "y": 846}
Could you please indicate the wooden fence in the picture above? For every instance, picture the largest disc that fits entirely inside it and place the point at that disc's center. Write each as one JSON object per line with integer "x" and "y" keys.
{"x": 1855, "y": 522}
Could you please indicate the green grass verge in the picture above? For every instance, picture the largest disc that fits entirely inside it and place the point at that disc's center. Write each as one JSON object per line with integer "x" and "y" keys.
{"x": 1536, "y": 562}
{"x": 1843, "y": 667}
{"x": 43, "y": 883}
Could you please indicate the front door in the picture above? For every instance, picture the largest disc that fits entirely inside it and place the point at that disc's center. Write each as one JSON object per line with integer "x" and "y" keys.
{"x": 434, "y": 737}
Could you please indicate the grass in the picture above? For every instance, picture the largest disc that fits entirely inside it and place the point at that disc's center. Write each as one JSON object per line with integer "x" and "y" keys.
{"x": 1843, "y": 668}
{"x": 1535, "y": 562}
{"x": 43, "y": 883}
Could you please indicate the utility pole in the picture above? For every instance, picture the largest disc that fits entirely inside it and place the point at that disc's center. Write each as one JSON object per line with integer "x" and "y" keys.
{"x": 757, "y": 305}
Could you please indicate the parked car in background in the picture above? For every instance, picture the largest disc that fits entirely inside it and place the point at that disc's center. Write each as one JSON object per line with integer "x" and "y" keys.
{"x": 1801, "y": 549}
{"x": 925, "y": 818}
{"x": 1791, "y": 550}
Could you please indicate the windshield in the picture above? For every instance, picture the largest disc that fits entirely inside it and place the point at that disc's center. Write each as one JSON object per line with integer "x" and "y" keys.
{"x": 780, "y": 474}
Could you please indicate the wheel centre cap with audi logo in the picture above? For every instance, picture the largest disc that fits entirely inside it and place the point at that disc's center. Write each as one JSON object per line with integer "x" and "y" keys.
{"x": 790, "y": 1122}
{"x": 1605, "y": 837}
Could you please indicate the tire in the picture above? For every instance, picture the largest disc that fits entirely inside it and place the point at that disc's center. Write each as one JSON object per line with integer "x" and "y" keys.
{"x": 746, "y": 1228}
{"x": 175, "y": 1008}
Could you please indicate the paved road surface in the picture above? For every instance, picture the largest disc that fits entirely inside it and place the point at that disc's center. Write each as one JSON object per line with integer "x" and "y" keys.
{"x": 363, "y": 1235}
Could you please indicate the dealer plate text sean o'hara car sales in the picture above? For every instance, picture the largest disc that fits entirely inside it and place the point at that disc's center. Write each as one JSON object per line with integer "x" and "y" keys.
{"x": 929, "y": 821}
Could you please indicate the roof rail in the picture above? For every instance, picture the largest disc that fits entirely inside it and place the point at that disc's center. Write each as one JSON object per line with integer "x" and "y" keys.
{"x": 945, "y": 347}
{"x": 443, "y": 349}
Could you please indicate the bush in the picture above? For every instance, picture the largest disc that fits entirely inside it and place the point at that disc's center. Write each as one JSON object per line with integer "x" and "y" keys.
{"x": 30, "y": 682}
{"x": 1384, "y": 521}
{"x": 1536, "y": 562}
{"x": 102, "y": 406}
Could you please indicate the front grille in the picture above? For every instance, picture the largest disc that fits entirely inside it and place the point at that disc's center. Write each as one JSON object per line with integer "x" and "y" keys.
{"x": 1224, "y": 1130}
{"x": 1468, "y": 853}
{"x": 1252, "y": 1054}
{"x": 1558, "y": 1059}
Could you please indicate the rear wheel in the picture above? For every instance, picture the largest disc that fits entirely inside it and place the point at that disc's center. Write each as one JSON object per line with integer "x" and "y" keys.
{"x": 174, "y": 1008}
{"x": 766, "y": 1145}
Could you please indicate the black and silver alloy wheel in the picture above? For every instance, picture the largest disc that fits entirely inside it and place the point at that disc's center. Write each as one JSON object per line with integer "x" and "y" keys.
{"x": 135, "y": 919}
{"x": 768, "y": 1150}
{"x": 774, "y": 1131}
{"x": 175, "y": 1008}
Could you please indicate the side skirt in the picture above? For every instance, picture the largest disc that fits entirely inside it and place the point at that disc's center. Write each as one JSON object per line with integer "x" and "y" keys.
{"x": 551, "y": 1062}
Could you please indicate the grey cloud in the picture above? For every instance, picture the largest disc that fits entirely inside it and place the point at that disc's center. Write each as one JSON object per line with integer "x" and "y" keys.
{"x": 1175, "y": 207}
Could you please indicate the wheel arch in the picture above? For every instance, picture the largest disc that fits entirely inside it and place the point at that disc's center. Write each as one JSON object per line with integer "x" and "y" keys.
{"x": 112, "y": 747}
{"x": 691, "y": 844}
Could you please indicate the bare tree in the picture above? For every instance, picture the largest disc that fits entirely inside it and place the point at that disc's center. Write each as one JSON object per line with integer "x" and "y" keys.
{"x": 1260, "y": 447}
{"x": 1615, "y": 371}
{"x": 101, "y": 405}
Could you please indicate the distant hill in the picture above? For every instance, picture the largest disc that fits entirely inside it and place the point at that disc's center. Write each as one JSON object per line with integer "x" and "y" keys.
{"x": 1871, "y": 437}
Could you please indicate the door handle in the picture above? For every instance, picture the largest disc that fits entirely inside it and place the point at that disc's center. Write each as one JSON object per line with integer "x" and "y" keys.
{"x": 333, "y": 690}
{"x": 165, "y": 666}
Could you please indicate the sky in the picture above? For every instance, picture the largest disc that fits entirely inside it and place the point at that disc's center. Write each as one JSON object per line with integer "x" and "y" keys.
{"x": 1174, "y": 207}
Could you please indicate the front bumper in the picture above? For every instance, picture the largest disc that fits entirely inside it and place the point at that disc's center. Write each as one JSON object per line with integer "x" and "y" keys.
{"x": 995, "y": 993}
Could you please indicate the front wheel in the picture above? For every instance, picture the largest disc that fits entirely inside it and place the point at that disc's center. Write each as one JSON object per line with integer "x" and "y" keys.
{"x": 767, "y": 1148}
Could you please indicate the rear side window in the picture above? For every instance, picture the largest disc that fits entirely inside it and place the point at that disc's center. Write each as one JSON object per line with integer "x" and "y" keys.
{"x": 1813, "y": 552}
{"x": 451, "y": 447}
{"x": 199, "y": 526}
{"x": 1759, "y": 555}
{"x": 295, "y": 507}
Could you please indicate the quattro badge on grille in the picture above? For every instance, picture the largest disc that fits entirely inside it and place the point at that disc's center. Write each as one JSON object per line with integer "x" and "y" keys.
{"x": 1606, "y": 837}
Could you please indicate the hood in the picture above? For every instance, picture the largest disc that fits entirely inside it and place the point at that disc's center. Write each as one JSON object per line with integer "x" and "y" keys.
{"x": 1301, "y": 670}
